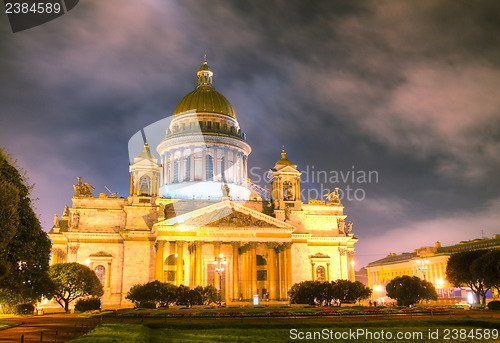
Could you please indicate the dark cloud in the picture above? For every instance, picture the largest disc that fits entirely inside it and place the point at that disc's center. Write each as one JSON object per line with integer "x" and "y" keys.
{"x": 403, "y": 88}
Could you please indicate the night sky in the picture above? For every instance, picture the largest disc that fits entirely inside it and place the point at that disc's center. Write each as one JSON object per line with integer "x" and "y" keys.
{"x": 407, "y": 89}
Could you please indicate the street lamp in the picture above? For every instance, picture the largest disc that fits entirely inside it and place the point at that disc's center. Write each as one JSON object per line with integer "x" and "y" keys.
{"x": 423, "y": 266}
{"x": 219, "y": 263}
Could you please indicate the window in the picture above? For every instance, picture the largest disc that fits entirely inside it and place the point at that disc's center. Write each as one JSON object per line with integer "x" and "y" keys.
{"x": 320, "y": 274}
{"x": 261, "y": 261}
{"x": 170, "y": 275}
{"x": 144, "y": 185}
{"x": 100, "y": 271}
{"x": 170, "y": 261}
{"x": 261, "y": 275}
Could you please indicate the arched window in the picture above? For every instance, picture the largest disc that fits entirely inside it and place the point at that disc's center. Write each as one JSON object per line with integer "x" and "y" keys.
{"x": 100, "y": 271}
{"x": 320, "y": 274}
{"x": 261, "y": 261}
{"x": 144, "y": 185}
{"x": 210, "y": 168}
{"x": 170, "y": 270}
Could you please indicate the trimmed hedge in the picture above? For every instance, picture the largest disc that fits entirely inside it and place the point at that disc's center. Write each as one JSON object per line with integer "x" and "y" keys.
{"x": 494, "y": 305}
{"x": 24, "y": 309}
{"x": 88, "y": 304}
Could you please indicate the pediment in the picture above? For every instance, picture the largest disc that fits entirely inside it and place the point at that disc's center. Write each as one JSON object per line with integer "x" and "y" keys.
{"x": 319, "y": 255}
{"x": 100, "y": 254}
{"x": 225, "y": 214}
{"x": 288, "y": 169}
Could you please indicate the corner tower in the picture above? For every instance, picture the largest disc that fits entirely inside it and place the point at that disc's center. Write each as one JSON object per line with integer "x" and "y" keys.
{"x": 285, "y": 184}
{"x": 204, "y": 149}
{"x": 144, "y": 174}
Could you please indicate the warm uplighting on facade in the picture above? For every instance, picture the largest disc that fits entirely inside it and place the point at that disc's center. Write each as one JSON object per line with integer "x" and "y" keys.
{"x": 423, "y": 266}
{"x": 439, "y": 283}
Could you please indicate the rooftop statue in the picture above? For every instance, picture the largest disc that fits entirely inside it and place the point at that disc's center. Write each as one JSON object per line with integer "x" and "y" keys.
{"x": 333, "y": 197}
{"x": 82, "y": 189}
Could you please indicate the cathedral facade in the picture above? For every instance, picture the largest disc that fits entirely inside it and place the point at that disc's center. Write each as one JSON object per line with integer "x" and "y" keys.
{"x": 194, "y": 218}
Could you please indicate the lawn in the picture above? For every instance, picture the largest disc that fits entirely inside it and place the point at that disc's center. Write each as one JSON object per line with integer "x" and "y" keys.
{"x": 234, "y": 331}
{"x": 5, "y": 324}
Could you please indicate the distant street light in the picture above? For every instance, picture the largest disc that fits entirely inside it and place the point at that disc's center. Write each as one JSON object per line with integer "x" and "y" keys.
{"x": 219, "y": 263}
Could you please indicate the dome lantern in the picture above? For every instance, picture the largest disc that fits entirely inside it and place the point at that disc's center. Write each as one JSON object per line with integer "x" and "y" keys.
{"x": 205, "y": 74}
{"x": 205, "y": 99}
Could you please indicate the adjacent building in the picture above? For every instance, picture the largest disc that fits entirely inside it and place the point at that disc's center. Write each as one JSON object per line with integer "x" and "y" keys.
{"x": 428, "y": 263}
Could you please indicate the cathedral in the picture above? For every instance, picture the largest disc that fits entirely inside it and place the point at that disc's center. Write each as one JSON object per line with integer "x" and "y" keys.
{"x": 194, "y": 218}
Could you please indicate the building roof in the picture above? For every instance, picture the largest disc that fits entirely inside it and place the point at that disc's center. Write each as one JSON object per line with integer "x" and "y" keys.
{"x": 284, "y": 161}
{"x": 475, "y": 244}
{"x": 205, "y": 98}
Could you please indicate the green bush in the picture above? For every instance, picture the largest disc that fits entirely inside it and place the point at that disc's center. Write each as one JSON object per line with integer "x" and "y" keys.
{"x": 206, "y": 314}
{"x": 146, "y": 304}
{"x": 88, "y": 304}
{"x": 494, "y": 305}
{"x": 24, "y": 309}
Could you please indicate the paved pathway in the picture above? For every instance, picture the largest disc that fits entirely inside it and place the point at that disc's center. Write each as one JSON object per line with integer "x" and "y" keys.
{"x": 68, "y": 326}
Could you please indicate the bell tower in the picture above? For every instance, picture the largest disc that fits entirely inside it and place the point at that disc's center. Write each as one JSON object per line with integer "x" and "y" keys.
{"x": 285, "y": 184}
{"x": 144, "y": 174}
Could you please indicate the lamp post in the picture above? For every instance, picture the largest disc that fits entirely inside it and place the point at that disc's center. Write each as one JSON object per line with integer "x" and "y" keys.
{"x": 423, "y": 266}
{"x": 220, "y": 263}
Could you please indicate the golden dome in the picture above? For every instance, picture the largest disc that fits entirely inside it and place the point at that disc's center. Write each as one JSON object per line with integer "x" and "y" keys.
{"x": 205, "y": 98}
{"x": 284, "y": 161}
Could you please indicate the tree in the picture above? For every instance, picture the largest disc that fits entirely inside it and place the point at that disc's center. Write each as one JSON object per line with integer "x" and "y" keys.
{"x": 487, "y": 268}
{"x": 152, "y": 294}
{"x": 358, "y": 291}
{"x": 167, "y": 294}
{"x": 209, "y": 294}
{"x": 307, "y": 292}
{"x": 408, "y": 290}
{"x": 460, "y": 271}
{"x": 73, "y": 280}
{"x": 345, "y": 290}
{"x": 24, "y": 246}
{"x": 188, "y": 297}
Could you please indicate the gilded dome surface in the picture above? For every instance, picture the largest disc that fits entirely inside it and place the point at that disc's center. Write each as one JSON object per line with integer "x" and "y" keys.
{"x": 284, "y": 161}
{"x": 205, "y": 98}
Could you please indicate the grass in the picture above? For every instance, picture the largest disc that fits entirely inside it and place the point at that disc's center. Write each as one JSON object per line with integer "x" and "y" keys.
{"x": 231, "y": 331}
{"x": 5, "y": 324}
{"x": 129, "y": 333}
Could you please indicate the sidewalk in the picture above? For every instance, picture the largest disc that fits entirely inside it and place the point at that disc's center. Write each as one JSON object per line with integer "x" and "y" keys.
{"x": 68, "y": 326}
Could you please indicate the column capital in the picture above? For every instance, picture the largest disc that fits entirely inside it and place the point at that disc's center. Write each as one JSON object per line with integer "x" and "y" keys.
{"x": 271, "y": 245}
{"x": 252, "y": 245}
{"x": 159, "y": 244}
